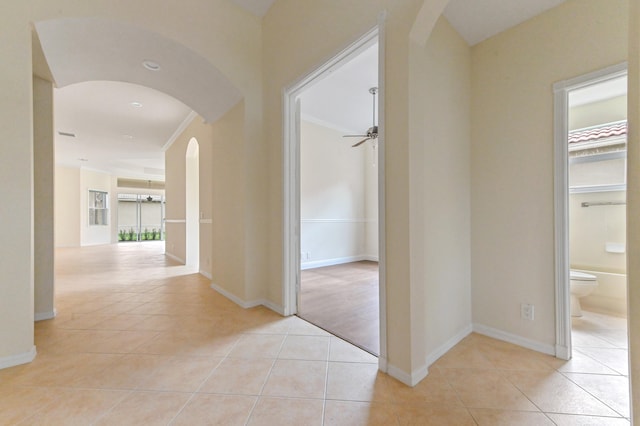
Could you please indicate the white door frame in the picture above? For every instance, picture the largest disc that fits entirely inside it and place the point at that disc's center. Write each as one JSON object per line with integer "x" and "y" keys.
{"x": 561, "y": 194}
{"x": 291, "y": 176}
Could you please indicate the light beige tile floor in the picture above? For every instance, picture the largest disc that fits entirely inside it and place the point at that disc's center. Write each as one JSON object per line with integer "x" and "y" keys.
{"x": 140, "y": 340}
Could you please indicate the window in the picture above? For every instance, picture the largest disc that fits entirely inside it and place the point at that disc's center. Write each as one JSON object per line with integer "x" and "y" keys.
{"x": 98, "y": 208}
{"x": 598, "y": 158}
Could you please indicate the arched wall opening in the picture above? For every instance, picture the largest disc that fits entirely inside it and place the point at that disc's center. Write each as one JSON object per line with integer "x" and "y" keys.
{"x": 56, "y": 67}
{"x": 192, "y": 203}
{"x": 17, "y": 296}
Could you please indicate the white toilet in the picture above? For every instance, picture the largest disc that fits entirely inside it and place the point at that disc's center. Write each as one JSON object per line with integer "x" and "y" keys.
{"x": 582, "y": 285}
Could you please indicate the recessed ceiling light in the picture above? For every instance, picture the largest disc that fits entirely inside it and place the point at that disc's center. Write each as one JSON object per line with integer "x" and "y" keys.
{"x": 151, "y": 65}
{"x": 136, "y": 104}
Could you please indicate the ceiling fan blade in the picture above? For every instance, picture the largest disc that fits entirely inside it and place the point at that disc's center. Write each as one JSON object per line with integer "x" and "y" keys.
{"x": 360, "y": 143}
{"x": 354, "y": 136}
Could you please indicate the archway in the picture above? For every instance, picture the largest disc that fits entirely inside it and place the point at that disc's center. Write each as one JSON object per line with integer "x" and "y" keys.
{"x": 147, "y": 59}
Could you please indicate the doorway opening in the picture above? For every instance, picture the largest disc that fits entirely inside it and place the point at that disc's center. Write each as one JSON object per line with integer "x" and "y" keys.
{"x": 334, "y": 239}
{"x": 192, "y": 194}
{"x": 140, "y": 217}
{"x": 591, "y": 283}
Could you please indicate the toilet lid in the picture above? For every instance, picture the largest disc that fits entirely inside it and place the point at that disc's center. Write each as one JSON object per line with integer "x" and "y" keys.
{"x": 581, "y": 276}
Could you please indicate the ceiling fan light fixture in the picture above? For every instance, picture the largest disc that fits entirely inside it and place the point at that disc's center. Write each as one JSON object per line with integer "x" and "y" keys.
{"x": 372, "y": 132}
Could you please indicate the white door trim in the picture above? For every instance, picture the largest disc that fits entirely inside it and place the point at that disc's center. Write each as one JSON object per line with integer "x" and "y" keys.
{"x": 291, "y": 175}
{"x": 561, "y": 196}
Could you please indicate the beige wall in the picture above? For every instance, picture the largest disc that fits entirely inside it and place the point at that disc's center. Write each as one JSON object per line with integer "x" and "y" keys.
{"x": 223, "y": 193}
{"x": 16, "y": 183}
{"x": 43, "y": 203}
{"x": 512, "y": 156}
{"x": 206, "y": 204}
{"x": 67, "y": 207}
{"x": 228, "y": 186}
{"x": 440, "y": 78}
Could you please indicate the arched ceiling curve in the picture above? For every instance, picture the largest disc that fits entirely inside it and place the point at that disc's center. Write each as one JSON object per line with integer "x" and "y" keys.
{"x": 90, "y": 49}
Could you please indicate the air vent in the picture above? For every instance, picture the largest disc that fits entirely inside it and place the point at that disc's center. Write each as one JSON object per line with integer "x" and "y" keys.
{"x": 71, "y": 135}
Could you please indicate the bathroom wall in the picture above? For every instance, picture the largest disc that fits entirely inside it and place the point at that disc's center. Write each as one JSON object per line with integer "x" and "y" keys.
{"x": 597, "y": 234}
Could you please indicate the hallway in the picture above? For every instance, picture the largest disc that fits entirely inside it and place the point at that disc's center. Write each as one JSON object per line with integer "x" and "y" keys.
{"x": 141, "y": 340}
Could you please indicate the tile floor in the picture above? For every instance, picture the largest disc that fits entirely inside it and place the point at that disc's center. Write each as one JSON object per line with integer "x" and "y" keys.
{"x": 140, "y": 340}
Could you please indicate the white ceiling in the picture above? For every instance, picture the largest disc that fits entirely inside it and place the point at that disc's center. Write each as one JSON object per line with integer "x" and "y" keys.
{"x": 113, "y": 133}
{"x": 342, "y": 100}
{"x": 86, "y": 49}
{"x": 79, "y": 50}
{"x": 100, "y": 50}
{"x": 477, "y": 20}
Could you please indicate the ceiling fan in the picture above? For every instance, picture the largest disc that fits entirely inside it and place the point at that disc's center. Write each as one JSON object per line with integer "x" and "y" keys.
{"x": 372, "y": 132}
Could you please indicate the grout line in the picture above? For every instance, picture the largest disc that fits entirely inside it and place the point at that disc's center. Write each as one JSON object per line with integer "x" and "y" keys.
{"x": 126, "y": 395}
{"x": 591, "y": 394}
{"x": 600, "y": 362}
{"x": 264, "y": 383}
{"x": 193, "y": 395}
{"x": 326, "y": 382}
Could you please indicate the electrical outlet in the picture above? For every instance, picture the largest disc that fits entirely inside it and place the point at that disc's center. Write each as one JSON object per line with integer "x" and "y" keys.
{"x": 527, "y": 311}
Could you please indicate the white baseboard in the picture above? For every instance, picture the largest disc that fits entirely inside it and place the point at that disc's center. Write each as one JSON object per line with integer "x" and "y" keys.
{"x": 408, "y": 379}
{"x": 336, "y": 261}
{"x": 13, "y": 360}
{"x": 383, "y": 364}
{"x": 206, "y": 274}
{"x": 41, "y": 316}
{"x": 176, "y": 258}
{"x": 448, "y": 345}
{"x": 235, "y": 299}
{"x": 563, "y": 352}
{"x": 274, "y": 307}
{"x": 515, "y": 339}
{"x": 248, "y": 304}
{"x": 418, "y": 375}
